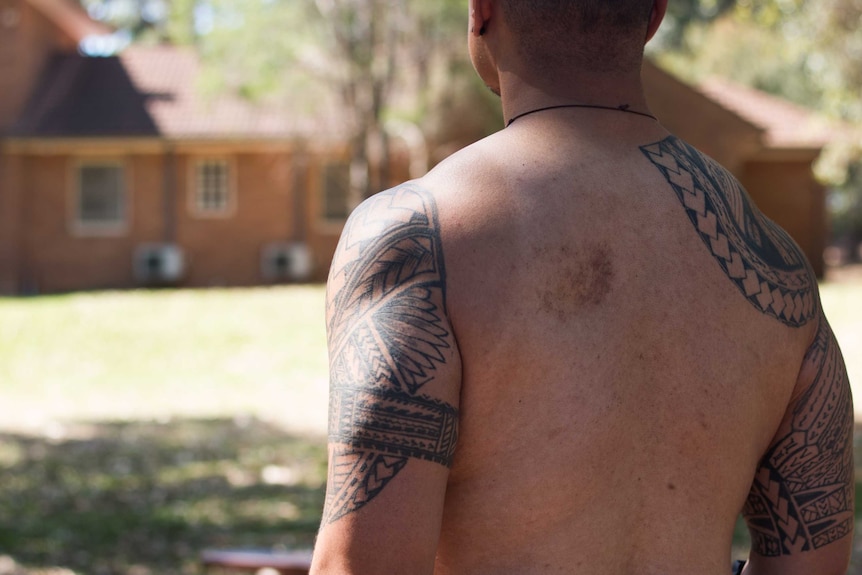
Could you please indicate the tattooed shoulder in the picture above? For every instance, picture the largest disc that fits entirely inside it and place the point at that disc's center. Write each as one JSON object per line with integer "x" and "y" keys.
{"x": 389, "y": 337}
{"x": 758, "y": 256}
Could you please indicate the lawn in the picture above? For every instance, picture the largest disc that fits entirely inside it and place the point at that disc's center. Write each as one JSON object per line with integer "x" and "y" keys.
{"x": 151, "y": 354}
{"x": 138, "y": 428}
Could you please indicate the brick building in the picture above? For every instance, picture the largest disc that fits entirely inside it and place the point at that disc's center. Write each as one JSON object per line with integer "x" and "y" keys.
{"x": 116, "y": 172}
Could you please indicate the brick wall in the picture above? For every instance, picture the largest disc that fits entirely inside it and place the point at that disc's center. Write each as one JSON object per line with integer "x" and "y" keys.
{"x": 54, "y": 257}
{"x": 227, "y": 250}
{"x": 222, "y": 251}
{"x": 10, "y": 175}
{"x": 276, "y": 199}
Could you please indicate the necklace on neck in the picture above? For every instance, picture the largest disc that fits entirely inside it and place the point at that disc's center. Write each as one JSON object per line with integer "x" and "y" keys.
{"x": 622, "y": 108}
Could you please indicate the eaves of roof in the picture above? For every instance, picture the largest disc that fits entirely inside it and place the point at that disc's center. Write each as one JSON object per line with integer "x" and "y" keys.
{"x": 785, "y": 126}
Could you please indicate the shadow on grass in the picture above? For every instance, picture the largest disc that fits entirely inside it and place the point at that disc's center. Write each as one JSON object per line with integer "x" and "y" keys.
{"x": 136, "y": 498}
{"x": 118, "y": 498}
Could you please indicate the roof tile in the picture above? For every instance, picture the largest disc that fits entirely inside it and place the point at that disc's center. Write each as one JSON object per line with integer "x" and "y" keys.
{"x": 786, "y": 125}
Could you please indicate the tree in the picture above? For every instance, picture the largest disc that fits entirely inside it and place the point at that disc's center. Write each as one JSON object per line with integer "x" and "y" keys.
{"x": 682, "y": 15}
{"x": 365, "y": 42}
{"x": 378, "y": 47}
{"x": 377, "y": 58}
{"x": 366, "y": 53}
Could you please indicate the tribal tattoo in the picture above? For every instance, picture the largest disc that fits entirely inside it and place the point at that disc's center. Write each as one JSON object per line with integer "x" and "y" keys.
{"x": 802, "y": 496}
{"x": 759, "y": 257}
{"x": 388, "y": 335}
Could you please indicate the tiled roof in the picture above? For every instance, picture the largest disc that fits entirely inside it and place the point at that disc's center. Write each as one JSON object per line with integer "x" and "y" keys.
{"x": 145, "y": 91}
{"x": 69, "y": 17}
{"x": 785, "y": 124}
{"x": 80, "y": 96}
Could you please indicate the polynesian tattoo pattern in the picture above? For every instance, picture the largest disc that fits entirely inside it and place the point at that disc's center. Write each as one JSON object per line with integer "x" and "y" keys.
{"x": 387, "y": 336}
{"x": 802, "y": 496}
{"x": 762, "y": 260}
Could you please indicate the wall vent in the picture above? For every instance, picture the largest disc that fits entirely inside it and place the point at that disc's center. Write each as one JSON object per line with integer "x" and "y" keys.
{"x": 286, "y": 262}
{"x": 159, "y": 264}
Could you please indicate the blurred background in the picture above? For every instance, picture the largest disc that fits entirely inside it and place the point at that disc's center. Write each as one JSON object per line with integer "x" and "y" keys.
{"x": 175, "y": 174}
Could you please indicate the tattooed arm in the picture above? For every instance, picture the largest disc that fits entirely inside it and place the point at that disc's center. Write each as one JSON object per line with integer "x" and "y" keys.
{"x": 394, "y": 387}
{"x": 800, "y": 509}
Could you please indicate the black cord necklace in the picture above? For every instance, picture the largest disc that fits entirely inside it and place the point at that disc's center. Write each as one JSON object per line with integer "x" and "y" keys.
{"x": 622, "y": 108}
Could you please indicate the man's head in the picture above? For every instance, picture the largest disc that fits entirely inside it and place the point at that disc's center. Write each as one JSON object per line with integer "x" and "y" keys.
{"x": 601, "y": 33}
{"x": 553, "y": 36}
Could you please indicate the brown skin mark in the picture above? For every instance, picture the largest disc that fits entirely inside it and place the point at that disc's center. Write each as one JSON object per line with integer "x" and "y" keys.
{"x": 583, "y": 280}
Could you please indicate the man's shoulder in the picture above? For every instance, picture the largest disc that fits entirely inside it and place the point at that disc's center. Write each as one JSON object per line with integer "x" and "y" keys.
{"x": 396, "y": 206}
{"x": 760, "y": 257}
{"x": 389, "y": 238}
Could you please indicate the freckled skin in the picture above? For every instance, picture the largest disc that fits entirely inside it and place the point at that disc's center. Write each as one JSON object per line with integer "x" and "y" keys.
{"x": 582, "y": 280}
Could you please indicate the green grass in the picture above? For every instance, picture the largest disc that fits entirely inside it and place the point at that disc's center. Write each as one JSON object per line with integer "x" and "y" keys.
{"x": 139, "y": 428}
{"x": 139, "y": 355}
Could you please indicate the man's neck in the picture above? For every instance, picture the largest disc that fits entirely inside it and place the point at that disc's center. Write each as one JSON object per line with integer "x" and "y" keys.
{"x": 520, "y": 94}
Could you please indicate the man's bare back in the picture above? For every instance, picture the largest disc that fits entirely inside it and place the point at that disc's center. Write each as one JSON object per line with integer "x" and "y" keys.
{"x": 577, "y": 347}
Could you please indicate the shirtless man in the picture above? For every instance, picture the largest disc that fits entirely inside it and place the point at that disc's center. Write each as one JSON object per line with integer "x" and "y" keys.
{"x": 576, "y": 346}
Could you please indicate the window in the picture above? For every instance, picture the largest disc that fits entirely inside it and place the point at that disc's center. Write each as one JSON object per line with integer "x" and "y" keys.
{"x": 101, "y": 200}
{"x": 212, "y": 188}
{"x": 336, "y": 191}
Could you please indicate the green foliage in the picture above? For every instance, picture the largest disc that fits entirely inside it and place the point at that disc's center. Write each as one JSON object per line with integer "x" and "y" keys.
{"x": 809, "y": 53}
{"x": 179, "y": 22}
{"x": 254, "y": 48}
{"x": 684, "y": 14}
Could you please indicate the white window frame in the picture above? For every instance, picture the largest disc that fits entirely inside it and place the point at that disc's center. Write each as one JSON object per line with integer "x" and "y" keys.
{"x": 324, "y": 215}
{"x": 195, "y": 193}
{"x": 118, "y": 227}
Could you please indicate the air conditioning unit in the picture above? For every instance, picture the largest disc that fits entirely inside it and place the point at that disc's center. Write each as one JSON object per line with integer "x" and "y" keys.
{"x": 159, "y": 264}
{"x": 286, "y": 261}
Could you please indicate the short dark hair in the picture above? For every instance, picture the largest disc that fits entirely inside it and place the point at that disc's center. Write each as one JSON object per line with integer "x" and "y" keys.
{"x": 606, "y": 34}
